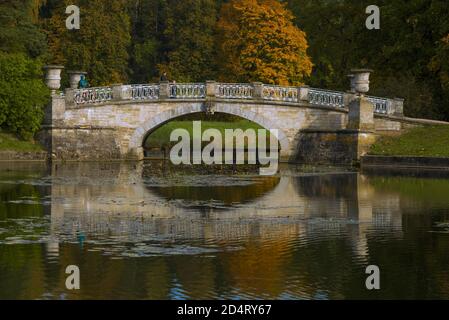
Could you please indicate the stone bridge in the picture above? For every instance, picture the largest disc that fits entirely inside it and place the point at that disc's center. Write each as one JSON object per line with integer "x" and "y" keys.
{"x": 112, "y": 123}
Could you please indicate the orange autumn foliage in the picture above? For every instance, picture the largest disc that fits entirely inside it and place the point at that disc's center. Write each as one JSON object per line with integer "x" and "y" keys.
{"x": 257, "y": 41}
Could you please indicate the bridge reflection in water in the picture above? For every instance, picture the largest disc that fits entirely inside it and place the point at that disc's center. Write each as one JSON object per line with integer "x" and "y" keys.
{"x": 138, "y": 234}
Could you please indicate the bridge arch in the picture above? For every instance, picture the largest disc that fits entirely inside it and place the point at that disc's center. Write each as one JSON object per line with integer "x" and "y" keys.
{"x": 140, "y": 134}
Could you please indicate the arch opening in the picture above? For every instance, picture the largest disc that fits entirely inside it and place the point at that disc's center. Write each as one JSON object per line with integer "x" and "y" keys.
{"x": 139, "y": 140}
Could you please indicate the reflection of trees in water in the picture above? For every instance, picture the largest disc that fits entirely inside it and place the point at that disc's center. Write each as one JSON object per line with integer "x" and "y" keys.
{"x": 327, "y": 186}
{"x": 22, "y": 272}
{"x": 273, "y": 258}
{"x": 21, "y": 200}
{"x": 329, "y": 195}
{"x": 21, "y": 263}
{"x": 226, "y": 194}
{"x": 429, "y": 192}
{"x": 196, "y": 183}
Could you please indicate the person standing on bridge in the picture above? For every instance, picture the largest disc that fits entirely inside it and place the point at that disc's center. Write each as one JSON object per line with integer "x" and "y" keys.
{"x": 83, "y": 82}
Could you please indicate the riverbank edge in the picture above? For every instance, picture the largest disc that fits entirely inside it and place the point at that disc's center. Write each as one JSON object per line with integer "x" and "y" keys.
{"x": 434, "y": 163}
{"x": 6, "y": 156}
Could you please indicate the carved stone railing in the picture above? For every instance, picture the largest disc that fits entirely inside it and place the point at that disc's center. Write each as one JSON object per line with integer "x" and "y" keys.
{"x": 254, "y": 91}
{"x": 188, "y": 91}
{"x": 278, "y": 93}
{"x": 144, "y": 92}
{"x": 326, "y": 98}
{"x": 234, "y": 91}
{"x": 93, "y": 95}
{"x": 381, "y": 105}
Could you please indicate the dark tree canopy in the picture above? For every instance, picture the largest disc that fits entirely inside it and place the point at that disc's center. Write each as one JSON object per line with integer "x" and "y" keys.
{"x": 136, "y": 40}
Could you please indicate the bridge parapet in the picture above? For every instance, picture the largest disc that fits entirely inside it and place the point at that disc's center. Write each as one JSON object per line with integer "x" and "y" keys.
{"x": 232, "y": 91}
{"x": 243, "y": 91}
{"x": 92, "y": 95}
{"x": 326, "y": 98}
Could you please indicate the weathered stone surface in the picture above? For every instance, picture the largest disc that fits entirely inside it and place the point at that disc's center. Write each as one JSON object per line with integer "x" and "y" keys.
{"x": 338, "y": 147}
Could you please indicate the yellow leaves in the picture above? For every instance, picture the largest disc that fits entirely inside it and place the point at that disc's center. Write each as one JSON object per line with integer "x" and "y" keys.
{"x": 260, "y": 37}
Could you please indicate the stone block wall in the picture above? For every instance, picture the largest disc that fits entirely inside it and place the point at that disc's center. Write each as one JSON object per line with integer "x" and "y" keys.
{"x": 326, "y": 147}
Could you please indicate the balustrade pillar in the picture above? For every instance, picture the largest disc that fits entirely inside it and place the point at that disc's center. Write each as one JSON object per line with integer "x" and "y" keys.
{"x": 304, "y": 93}
{"x": 54, "y": 112}
{"x": 361, "y": 114}
{"x": 211, "y": 88}
{"x": 69, "y": 94}
{"x": 164, "y": 90}
{"x": 118, "y": 92}
{"x": 258, "y": 90}
{"x": 398, "y": 107}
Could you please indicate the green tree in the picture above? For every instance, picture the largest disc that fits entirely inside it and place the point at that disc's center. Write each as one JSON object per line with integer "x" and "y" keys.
{"x": 22, "y": 94}
{"x": 440, "y": 62}
{"x": 147, "y": 25}
{"x": 189, "y": 49}
{"x": 18, "y": 29}
{"x": 101, "y": 45}
{"x": 399, "y": 53}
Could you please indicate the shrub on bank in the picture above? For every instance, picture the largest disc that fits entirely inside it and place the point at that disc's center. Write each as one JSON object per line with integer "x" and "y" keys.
{"x": 23, "y": 94}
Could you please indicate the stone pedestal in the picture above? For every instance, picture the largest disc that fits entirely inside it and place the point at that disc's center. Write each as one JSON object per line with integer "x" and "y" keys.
{"x": 361, "y": 114}
{"x": 69, "y": 97}
{"x": 304, "y": 93}
{"x": 54, "y": 112}
{"x": 164, "y": 90}
{"x": 258, "y": 88}
{"x": 211, "y": 88}
{"x": 361, "y": 125}
{"x": 118, "y": 92}
{"x": 398, "y": 107}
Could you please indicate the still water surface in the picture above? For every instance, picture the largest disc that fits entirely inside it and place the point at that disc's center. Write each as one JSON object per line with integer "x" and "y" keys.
{"x": 149, "y": 231}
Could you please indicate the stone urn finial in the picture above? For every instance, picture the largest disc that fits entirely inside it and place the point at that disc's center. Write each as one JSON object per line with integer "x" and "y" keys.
{"x": 361, "y": 80}
{"x": 75, "y": 77}
{"x": 53, "y": 77}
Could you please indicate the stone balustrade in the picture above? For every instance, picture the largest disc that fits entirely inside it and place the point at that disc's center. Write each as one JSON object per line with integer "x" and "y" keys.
{"x": 92, "y": 95}
{"x": 144, "y": 92}
{"x": 234, "y": 91}
{"x": 381, "y": 105}
{"x": 278, "y": 93}
{"x": 326, "y": 98}
{"x": 303, "y": 96}
{"x": 188, "y": 91}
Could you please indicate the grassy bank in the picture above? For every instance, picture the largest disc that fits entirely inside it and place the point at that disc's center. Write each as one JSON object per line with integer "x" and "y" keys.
{"x": 425, "y": 141}
{"x": 161, "y": 137}
{"x": 9, "y": 142}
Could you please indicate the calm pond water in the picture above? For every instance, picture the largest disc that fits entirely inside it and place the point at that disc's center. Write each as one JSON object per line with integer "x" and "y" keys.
{"x": 148, "y": 231}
